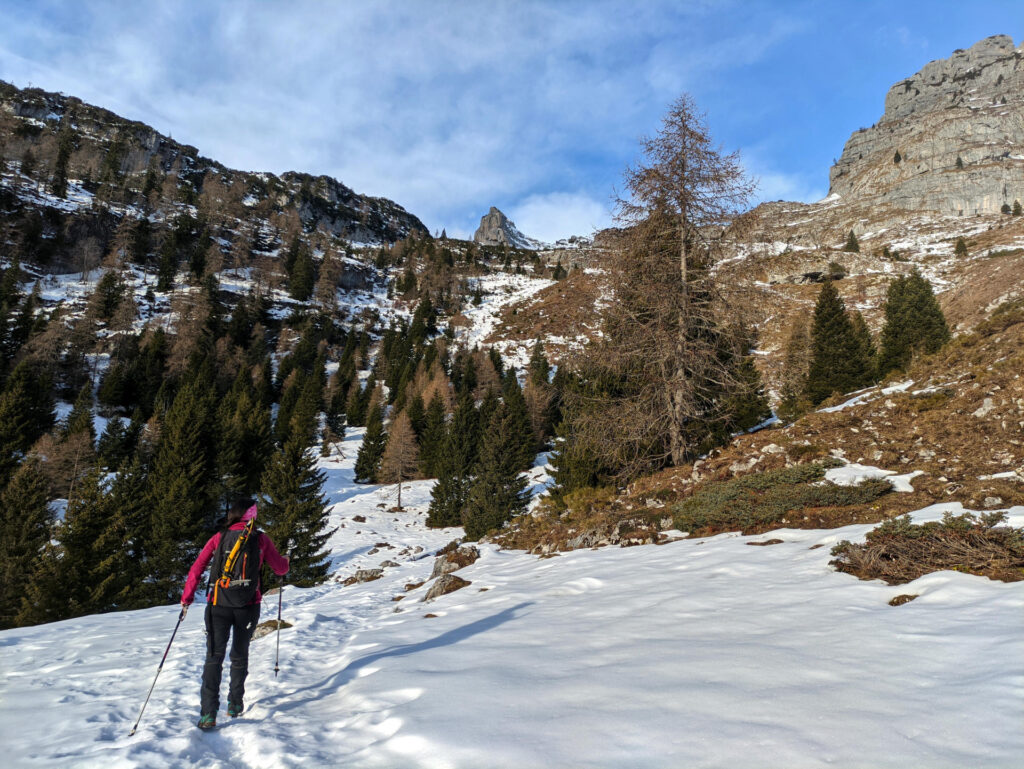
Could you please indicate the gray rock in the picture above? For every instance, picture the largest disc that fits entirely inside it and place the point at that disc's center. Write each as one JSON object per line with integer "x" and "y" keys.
{"x": 958, "y": 128}
{"x": 364, "y": 575}
{"x": 448, "y": 583}
{"x": 457, "y": 559}
{"x": 496, "y": 229}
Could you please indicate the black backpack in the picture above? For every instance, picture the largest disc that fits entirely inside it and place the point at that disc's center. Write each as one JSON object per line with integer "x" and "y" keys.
{"x": 237, "y": 588}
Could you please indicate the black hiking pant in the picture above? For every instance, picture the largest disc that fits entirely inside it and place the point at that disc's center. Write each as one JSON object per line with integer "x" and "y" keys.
{"x": 220, "y": 621}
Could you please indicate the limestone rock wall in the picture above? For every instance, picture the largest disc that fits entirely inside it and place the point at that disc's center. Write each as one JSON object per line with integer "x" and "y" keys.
{"x": 951, "y": 139}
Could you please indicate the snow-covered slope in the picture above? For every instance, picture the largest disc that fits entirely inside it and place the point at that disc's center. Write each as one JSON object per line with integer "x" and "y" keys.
{"x": 702, "y": 652}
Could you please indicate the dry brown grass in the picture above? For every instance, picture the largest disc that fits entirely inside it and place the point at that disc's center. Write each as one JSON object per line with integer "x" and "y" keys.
{"x": 899, "y": 551}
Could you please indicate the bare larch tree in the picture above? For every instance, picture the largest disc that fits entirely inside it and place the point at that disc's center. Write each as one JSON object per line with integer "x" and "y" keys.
{"x": 657, "y": 381}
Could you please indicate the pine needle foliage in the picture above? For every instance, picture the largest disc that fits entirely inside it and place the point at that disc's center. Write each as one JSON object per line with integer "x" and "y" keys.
{"x": 294, "y": 514}
{"x": 499, "y": 491}
{"x": 839, "y": 361}
{"x": 914, "y": 323}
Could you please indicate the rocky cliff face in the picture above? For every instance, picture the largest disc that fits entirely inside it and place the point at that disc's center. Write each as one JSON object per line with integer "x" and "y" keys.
{"x": 951, "y": 139}
{"x": 496, "y": 229}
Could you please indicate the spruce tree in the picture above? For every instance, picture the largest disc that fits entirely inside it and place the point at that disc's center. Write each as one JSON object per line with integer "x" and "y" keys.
{"x": 372, "y": 448}
{"x": 302, "y": 277}
{"x": 539, "y": 369}
{"x": 25, "y": 522}
{"x": 455, "y": 466}
{"x": 432, "y": 437}
{"x": 524, "y": 444}
{"x": 80, "y": 419}
{"x": 838, "y": 363}
{"x": 914, "y": 323}
{"x": 747, "y": 407}
{"x": 63, "y": 586}
{"x": 960, "y": 249}
{"x": 417, "y": 415}
{"x": 294, "y": 514}
{"x": 865, "y": 344}
{"x": 26, "y": 413}
{"x": 182, "y": 489}
{"x": 1017, "y": 210}
{"x": 851, "y": 243}
{"x": 499, "y": 491}
{"x": 65, "y": 144}
{"x": 119, "y": 571}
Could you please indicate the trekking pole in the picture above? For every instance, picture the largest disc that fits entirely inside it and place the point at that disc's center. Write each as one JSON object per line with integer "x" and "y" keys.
{"x": 184, "y": 610}
{"x": 277, "y": 654}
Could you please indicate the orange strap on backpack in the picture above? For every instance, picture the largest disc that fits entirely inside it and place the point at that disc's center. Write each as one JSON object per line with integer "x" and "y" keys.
{"x": 229, "y": 562}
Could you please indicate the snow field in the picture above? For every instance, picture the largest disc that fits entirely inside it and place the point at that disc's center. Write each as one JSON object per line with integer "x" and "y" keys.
{"x": 698, "y": 653}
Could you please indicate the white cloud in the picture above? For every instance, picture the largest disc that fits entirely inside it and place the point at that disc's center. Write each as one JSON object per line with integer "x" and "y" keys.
{"x": 553, "y": 215}
{"x": 446, "y": 109}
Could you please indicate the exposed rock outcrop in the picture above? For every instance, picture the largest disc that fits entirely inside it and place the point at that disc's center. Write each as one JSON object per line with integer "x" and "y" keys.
{"x": 454, "y": 560}
{"x": 496, "y": 229}
{"x": 449, "y": 583}
{"x": 951, "y": 139}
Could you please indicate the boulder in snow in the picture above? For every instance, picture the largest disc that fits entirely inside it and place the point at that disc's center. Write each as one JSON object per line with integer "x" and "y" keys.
{"x": 453, "y": 561}
{"x": 448, "y": 583}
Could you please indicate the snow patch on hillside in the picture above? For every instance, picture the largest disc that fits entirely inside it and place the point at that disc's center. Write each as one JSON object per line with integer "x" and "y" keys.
{"x": 688, "y": 654}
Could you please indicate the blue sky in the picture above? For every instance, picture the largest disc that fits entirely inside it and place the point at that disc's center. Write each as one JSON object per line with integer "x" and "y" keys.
{"x": 535, "y": 107}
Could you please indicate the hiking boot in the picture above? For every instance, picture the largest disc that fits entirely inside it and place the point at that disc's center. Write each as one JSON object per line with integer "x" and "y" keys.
{"x": 235, "y": 709}
{"x": 207, "y": 721}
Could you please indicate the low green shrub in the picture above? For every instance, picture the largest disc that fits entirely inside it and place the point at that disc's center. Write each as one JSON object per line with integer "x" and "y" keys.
{"x": 765, "y": 498}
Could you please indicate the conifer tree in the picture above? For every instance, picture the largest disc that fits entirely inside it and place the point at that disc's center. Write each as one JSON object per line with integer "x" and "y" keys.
{"x": 115, "y": 444}
{"x": 865, "y": 344}
{"x": 747, "y": 406}
{"x": 182, "y": 489}
{"x": 521, "y": 430}
{"x": 499, "y": 491}
{"x": 80, "y": 419}
{"x": 417, "y": 415}
{"x": 795, "y": 365}
{"x": 432, "y": 437}
{"x": 28, "y": 163}
{"x": 26, "y": 412}
{"x": 851, "y": 243}
{"x": 1017, "y": 210}
{"x": 43, "y": 598}
{"x": 838, "y": 362}
{"x": 65, "y": 144}
{"x": 914, "y": 323}
{"x": 372, "y": 448}
{"x": 401, "y": 456}
{"x": 305, "y": 417}
{"x": 538, "y": 369}
{"x": 960, "y": 249}
{"x": 455, "y": 466}
{"x": 302, "y": 277}
{"x": 25, "y": 521}
{"x": 118, "y": 569}
{"x": 62, "y": 587}
{"x": 294, "y": 513}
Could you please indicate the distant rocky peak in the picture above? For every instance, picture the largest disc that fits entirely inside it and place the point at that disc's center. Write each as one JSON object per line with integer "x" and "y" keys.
{"x": 496, "y": 229}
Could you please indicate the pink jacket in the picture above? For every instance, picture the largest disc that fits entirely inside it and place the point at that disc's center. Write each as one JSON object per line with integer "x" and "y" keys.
{"x": 268, "y": 555}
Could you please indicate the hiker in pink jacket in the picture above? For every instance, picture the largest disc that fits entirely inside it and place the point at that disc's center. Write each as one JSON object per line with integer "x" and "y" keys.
{"x": 238, "y": 552}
